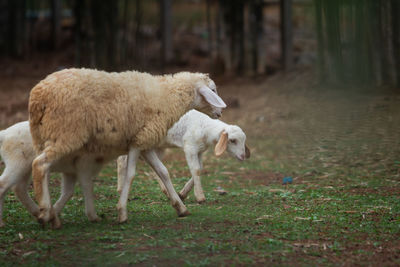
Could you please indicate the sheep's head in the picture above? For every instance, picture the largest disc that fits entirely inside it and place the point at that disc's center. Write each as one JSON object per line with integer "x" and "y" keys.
{"x": 206, "y": 98}
{"x": 233, "y": 139}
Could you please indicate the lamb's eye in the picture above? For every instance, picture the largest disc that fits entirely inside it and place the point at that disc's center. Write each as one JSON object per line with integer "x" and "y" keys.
{"x": 233, "y": 141}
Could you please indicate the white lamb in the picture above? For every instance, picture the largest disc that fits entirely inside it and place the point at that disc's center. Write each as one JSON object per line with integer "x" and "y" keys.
{"x": 194, "y": 133}
{"x": 77, "y": 113}
{"x": 16, "y": 150}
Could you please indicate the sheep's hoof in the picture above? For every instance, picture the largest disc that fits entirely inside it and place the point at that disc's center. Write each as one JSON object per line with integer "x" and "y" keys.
{"x": 42, "y": 219}
{"x": 184, "y": 214}
{"x": 201, "y": 200}
{"x": 56, "y": 223}
{"x": 122, "y": 216}
{"x": 45, "y": 216}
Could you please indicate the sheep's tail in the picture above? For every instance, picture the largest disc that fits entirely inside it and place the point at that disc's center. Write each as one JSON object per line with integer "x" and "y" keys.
{"x": 2, "y": 135}
{"x": 36, "y": 114}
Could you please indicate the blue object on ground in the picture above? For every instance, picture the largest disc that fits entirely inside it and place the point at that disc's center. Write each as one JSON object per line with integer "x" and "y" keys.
{"x": 287, "y": 180}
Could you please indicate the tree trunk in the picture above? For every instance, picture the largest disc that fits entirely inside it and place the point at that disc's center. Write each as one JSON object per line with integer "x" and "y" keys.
{"x": 286, "y": 34}
{"x": 333, "y": 40}
{"x": 166, "y": 31}
{"x": 396, "y": 39}
{"x": 209, "y": 30}
{"x": 16, "y": 28}
{"x": 3, "y": 26}
{"x": 321, "y": 41}
{"x": 79, "y": 7}
{"x": 256, "y": 32}
{"x": 55, "y": 23}
{"x": 240, "y": 65}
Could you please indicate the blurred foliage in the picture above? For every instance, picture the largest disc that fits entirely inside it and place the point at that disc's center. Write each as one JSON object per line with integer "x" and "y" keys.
{"x": 359, "y": 41}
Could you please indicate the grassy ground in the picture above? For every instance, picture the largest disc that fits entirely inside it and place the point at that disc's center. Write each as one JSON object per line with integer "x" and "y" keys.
{"x": 341, "y": 148}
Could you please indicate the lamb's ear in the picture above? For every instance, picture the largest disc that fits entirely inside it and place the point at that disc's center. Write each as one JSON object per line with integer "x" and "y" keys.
{"x": 211, "y": 97}
{"x": 247, "y": 151}
{"x": 220, "y": 147}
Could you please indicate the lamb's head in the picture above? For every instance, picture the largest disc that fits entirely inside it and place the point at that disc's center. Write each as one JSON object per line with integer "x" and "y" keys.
{"x": 206, "y": 97}
{"x": 233, "y": 139}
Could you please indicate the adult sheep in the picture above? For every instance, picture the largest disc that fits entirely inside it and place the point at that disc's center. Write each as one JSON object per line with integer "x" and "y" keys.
{"x": 91, "y": 113}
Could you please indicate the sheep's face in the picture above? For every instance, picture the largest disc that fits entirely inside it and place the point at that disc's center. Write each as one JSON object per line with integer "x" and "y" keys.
{"x": 233, "y": 139}
{"x": 207, "y": 99}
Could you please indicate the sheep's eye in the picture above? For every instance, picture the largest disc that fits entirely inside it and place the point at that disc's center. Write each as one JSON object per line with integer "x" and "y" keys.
{"x": 233, "y": 141}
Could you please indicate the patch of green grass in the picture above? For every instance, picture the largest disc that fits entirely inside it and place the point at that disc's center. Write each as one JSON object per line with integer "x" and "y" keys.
{"x": 343, "y": 207}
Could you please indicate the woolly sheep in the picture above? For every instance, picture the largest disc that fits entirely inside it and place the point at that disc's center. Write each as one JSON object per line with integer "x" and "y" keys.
{"x": 194, "y": 133}
{"x": 16, "y": 150}
{"x": 100, "y": 115}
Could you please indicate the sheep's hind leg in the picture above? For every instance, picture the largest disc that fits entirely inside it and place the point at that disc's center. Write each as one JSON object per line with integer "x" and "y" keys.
{"x": 41, "y": 173}
{"x": 67, "y": 190}
{"x": 133, "y": 157}
{"x": 152, "y": 158}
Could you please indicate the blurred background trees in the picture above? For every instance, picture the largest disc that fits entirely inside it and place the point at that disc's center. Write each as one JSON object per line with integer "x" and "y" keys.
{"x": 348, "y": 41}
{"x": 359, "y": 41}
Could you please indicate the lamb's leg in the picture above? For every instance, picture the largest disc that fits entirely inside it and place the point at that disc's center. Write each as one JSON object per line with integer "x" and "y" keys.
{"x": 162, "y": 186}
{"x": 121, "y": 170}
{"x": 122, "y": 167}
{"x": 195, "y": 164}
{"x": 186, "y": 189}
{"x": 160, "y": 155}
{"x": 133, "y": 157}
{"x": 151, "y": 158}
{"x": 41, "y": 174}
{"x": 21, "y": 191}
{"x": 87, "y": 188}
{"x": 86, "y": 171}
{"x": 67, "y": 190}
{"x": 7, "y": 180}
{"x": 189, "y": 185}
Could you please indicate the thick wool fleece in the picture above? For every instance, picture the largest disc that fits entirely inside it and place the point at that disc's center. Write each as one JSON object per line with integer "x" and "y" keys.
{"x": 99, "y": 112}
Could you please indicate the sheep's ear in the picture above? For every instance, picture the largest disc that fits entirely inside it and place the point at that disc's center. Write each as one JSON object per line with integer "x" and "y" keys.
{"x": 211, "y": 97}
{"x": 220, "y": 147}
{"x": 247, "y": 151}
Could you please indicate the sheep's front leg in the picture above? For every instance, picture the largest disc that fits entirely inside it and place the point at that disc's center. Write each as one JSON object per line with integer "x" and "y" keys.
{"x": 133, "y": 157}
{"x": 151, "y": 157}
{"x": 41, "y": 173}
